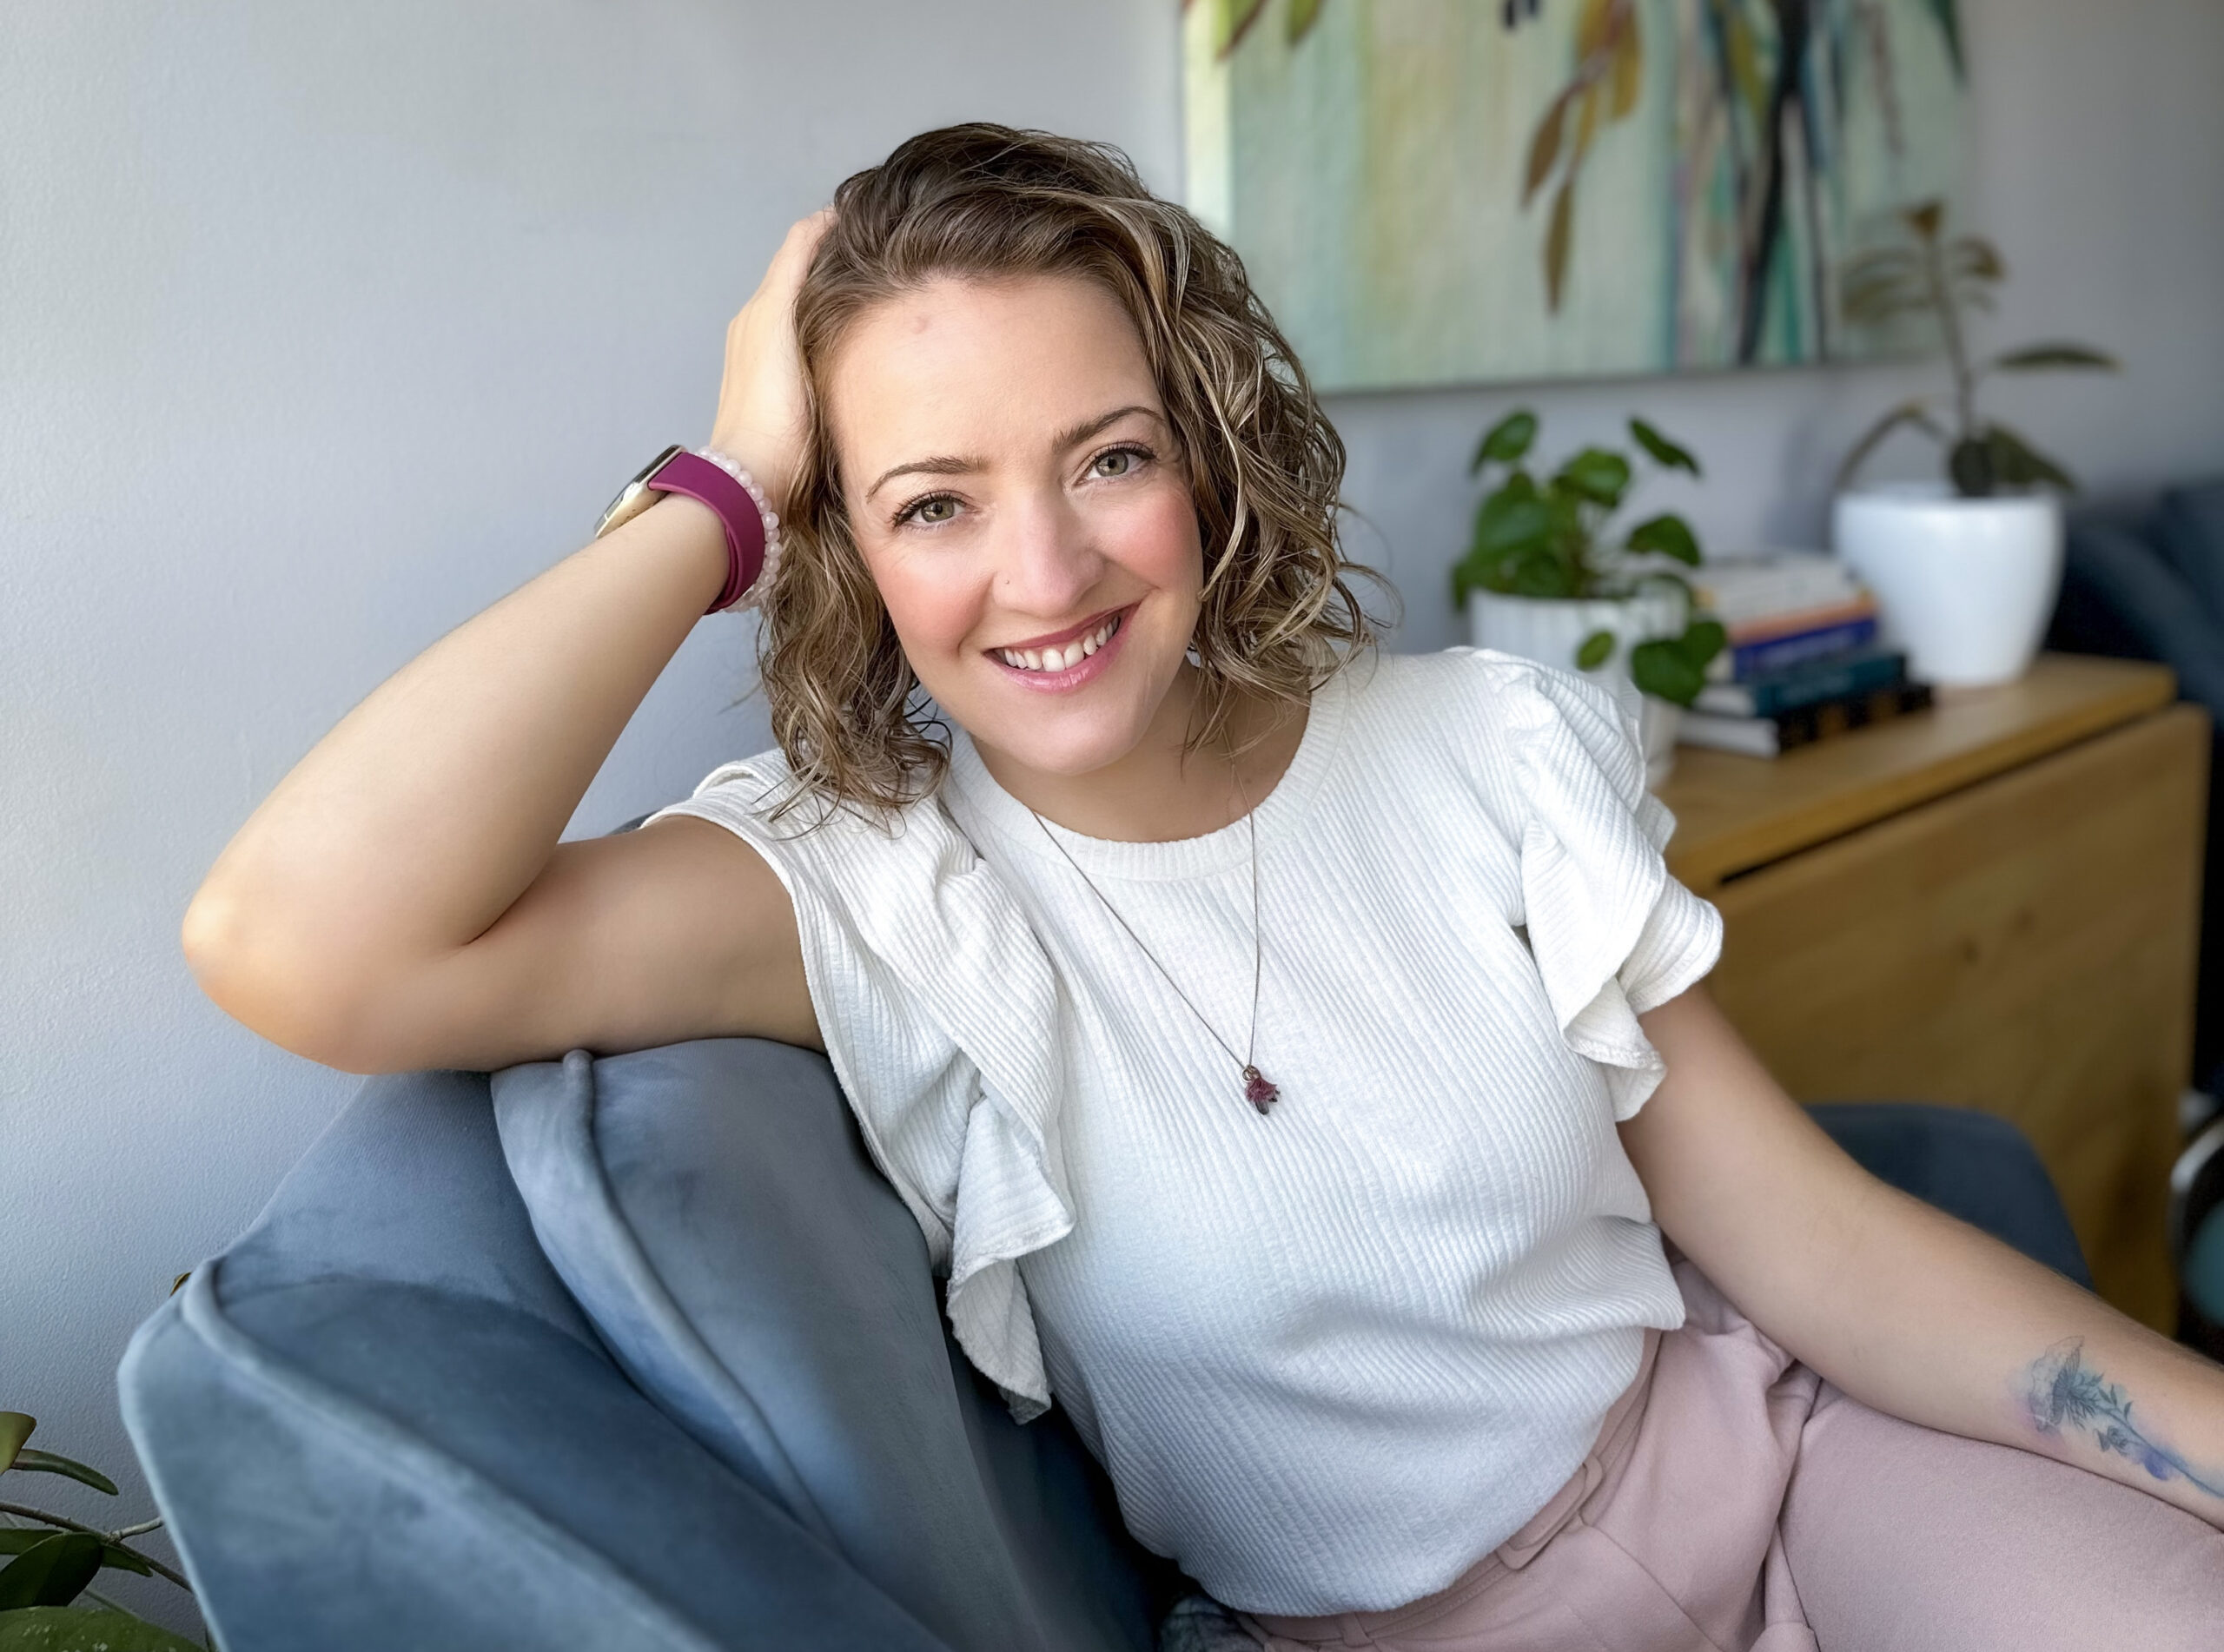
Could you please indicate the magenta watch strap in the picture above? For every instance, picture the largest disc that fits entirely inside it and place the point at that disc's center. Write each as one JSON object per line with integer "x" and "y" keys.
{"x": 729, "y": 500}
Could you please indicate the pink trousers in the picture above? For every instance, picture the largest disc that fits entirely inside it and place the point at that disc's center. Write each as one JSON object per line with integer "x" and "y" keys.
{"x": 1735, "y": 1501}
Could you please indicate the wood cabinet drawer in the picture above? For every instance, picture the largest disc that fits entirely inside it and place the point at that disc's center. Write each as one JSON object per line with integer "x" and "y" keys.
{"x": 2023, "y": 945}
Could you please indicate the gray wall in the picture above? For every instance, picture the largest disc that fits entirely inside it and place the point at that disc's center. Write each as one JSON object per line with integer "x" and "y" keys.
{"x": 320, "y": 328}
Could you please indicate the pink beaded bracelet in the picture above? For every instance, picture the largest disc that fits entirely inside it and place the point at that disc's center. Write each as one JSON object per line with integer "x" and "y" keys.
{"x": 751, "y": 589}
{"x": 753, "y": 531}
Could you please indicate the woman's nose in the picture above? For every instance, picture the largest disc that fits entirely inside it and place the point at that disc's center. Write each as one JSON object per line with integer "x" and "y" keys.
{"x": 1047, "y": 563}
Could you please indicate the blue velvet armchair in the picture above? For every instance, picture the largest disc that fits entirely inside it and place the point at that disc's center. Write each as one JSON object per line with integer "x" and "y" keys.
{"x": 641, "y": 1353}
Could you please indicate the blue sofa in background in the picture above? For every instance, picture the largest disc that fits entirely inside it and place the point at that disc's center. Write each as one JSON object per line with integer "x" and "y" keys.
{"x": 639, "y": 1353}
{"x": 2146, "y": 581}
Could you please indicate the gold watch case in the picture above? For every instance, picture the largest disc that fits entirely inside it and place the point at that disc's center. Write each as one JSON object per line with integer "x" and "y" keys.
{"x": 635, "y": 497}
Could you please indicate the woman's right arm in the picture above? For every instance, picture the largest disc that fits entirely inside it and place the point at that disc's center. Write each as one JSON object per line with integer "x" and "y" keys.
{"x": 400, "y": 900}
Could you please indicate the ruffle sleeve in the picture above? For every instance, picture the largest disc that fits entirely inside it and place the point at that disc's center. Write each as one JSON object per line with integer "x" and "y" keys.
{"x": 939, "y": 1011}
{"x": 1613, "y": 932}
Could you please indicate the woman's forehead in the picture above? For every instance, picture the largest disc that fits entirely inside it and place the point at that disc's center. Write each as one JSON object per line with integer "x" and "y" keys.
{"x": 994, "y": 363}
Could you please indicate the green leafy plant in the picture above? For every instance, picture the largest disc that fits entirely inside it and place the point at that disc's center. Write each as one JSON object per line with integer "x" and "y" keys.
{"x": 1946, "y": 277}
{"x": 46, "y": 1567}
{"x": 1549, "y": 540}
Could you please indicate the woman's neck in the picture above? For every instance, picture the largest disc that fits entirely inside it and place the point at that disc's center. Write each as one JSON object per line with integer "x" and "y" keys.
{"x": 1156, "y": 793}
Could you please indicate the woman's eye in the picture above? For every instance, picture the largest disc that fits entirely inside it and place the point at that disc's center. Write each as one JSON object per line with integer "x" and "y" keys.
{"x": 1120, "y": 461}
{"x": 940, "y": 508}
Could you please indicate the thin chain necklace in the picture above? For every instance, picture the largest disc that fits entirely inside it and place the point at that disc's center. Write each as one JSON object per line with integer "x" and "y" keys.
{"x": 1257, "y": 1089}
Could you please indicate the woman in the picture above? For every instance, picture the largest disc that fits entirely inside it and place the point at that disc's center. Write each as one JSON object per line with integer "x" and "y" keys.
{"x": 1293, "y": 1053}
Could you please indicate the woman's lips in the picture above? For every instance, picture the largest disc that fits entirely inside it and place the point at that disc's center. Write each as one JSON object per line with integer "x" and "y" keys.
{"x": 1086, "y": 670}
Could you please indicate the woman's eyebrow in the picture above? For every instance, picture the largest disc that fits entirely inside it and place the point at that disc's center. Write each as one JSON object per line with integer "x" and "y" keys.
{"x": 1079, "y": 433}
{"x": 953, "y": 465}
{"x": 942, "y": 465}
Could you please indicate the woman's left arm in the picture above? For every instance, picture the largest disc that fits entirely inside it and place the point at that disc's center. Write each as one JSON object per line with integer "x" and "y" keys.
{"x": 1906, "y": 1309}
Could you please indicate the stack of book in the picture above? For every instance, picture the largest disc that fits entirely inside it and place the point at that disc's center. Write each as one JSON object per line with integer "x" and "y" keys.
{"x": 1802, "y": 663}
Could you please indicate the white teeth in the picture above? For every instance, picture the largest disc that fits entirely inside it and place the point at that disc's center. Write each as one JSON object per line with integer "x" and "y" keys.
{"x": 1060, "y": 659}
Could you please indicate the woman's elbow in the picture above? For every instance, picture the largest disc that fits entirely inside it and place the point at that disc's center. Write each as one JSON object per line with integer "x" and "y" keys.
{"x": 272, "y": 988}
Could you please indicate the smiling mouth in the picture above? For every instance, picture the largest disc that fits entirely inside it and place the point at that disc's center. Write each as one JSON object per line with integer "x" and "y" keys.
{"x": 1060, "y": 658}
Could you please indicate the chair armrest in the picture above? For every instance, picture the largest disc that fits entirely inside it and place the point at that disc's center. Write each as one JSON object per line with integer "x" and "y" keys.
{"x": 1969, "y": 1164}
{"x": 378, "y": 1421}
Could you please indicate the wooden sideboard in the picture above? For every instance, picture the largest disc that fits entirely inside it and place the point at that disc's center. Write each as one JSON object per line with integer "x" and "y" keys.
{"x": 1993, "y": 904}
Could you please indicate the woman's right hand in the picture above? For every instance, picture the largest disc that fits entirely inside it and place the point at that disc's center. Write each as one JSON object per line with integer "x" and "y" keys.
{"x": 760, "y": 422}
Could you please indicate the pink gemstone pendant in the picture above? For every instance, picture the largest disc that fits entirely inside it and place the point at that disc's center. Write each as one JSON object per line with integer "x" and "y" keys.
{"x": 1257, "y": 1091}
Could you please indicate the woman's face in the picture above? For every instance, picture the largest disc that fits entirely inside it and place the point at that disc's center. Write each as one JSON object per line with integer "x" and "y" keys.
{"x": 1016, "y": 490}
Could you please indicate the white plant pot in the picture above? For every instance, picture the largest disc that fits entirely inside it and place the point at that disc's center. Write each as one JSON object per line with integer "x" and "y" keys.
{"x": 1964, "y": 585}
{"x": 1550, "y": 629}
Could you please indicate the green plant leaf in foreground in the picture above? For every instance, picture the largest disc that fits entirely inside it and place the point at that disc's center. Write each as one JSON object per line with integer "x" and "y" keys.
{"x": 1663, "y": 451}
{"x": 30, "y": 1462}
{"x": 62, "y": 1629}
{"x": 15, "y": 1539}
{"x": 1594, "y": 651}
{"x": 1667, "y": 536}
{"x": 15, "y": 1428}
{"x": 51, "y": 1572}
{"x": 1505, "y": 441}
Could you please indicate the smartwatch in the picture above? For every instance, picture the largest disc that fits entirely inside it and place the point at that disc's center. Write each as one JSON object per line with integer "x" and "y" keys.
{"x": 738, "y": 505}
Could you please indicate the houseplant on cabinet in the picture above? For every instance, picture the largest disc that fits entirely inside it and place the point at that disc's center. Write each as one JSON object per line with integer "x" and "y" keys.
{"x": 1543, "y": 579}
{"x": 1965, "y": 569}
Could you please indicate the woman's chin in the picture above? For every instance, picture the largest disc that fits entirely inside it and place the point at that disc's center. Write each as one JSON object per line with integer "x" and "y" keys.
{"x": 1066, "y": 753}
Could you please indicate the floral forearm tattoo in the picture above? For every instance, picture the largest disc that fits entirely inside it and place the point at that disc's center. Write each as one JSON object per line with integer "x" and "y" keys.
{"x": 2064, "y": 1392}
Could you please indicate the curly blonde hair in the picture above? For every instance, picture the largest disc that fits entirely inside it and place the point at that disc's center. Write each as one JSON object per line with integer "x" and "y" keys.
{"x": 1264, "y": 463}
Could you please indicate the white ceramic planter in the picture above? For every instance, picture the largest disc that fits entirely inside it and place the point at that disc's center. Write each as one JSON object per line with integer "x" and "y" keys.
{"x": 1550, "y": 630}
{"x": 1964, "y": 585}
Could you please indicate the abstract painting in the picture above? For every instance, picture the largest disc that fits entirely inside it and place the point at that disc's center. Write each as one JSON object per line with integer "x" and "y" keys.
{"x": 1463, "y": 191}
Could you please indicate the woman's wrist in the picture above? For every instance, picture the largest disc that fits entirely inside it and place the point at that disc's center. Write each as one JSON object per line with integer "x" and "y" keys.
{"x": 744, "y": 581}
{"x": 685, "y": 536}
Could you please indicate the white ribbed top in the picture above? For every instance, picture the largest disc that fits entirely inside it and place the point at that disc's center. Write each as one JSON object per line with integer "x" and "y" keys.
{"x": 1332, "y": 1356}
